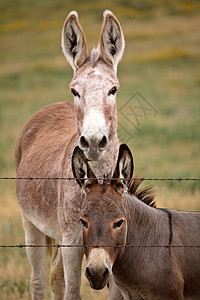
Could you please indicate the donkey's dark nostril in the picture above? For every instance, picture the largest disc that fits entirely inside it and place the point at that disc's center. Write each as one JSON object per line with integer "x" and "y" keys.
{"x": 106, "y": 273}
{"x": 103, "y": 143}
{"x": 87, "y": 273}
{"x": 83, "y": 143}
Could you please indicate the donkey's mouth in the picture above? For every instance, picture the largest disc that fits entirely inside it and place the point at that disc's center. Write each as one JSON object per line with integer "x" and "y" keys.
{"x": 97, "y": 278}
{"x": 98, "y": 285}
{"x": 94, "y": 155}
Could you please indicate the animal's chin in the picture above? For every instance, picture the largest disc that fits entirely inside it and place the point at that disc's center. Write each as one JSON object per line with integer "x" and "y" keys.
{"x": 98, "y": 285}
{"x": 94, "y": 156}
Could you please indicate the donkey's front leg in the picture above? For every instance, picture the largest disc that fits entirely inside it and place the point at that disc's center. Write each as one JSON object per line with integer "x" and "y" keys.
{"x": 57, "y": 277}
{"x": 36, "y": 256}
{"x": 72, "y": 261}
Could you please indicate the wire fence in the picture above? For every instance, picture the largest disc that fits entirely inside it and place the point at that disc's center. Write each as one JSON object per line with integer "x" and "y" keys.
{"x": 99, "y": 246}
{"x": 100, "y": 178}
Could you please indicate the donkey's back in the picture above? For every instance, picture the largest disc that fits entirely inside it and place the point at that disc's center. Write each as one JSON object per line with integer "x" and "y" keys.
{"x": 45, "y": 133}
{"x": 186, "y": 257}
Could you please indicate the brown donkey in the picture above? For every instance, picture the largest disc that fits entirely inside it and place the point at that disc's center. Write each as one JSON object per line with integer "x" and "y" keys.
{"x": 45, "y": 146}
{"x": 121, "y": 234}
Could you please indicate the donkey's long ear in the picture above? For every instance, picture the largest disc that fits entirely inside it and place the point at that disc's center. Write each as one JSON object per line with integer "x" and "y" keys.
{"x": 112, "y": 39}
{"x": 124, "y": 168}
{"x": 81, "y": 170}
{"x": 73, "y": 43}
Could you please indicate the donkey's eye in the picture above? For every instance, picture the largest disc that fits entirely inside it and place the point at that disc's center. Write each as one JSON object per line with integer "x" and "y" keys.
{"x": 112, "y": 91}
{"x": 75, "y": 93}
{"x": 118, "y": 224}
{"x": 84, "y": 223}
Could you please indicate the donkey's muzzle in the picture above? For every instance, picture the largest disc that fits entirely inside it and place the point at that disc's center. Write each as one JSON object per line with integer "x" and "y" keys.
{"x": 93, "y": 146}
{"x": 98, "y": 278}
{"x": 98, "y": 269}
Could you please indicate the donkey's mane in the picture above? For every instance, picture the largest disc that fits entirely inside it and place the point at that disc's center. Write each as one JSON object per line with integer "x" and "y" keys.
{"x": 95, "y": 55}
{"x": 145, "y": 194}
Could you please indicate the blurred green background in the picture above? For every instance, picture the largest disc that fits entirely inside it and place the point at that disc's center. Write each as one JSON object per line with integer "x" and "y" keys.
{"x": 159, "y": 72}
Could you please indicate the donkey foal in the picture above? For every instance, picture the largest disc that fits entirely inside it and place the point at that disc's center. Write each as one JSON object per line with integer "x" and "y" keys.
{"x": 124, "y": 235}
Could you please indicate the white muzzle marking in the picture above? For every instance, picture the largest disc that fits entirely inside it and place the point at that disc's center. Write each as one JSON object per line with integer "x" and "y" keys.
{"x": 98, "y": 269}
{"x": 94, "y": 140}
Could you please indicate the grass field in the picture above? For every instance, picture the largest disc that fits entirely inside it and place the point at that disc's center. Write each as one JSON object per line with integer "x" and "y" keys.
{"x": 158, "y": 102}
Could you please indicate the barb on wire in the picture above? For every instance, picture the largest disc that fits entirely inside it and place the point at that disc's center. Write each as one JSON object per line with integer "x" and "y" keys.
{"x": 99, "y": 178}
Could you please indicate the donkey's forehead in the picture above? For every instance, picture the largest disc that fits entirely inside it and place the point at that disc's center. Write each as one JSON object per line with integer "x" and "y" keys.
{"x": 103, "y": 199}
{"x": 99, "y": 73}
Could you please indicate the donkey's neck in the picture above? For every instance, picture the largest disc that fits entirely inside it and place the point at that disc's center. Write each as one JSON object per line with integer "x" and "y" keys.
{"x": 147, "y": 226}
{"x": 142, "y": 219}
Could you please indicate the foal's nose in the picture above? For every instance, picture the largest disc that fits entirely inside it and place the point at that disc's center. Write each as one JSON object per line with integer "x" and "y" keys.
{"x": 93, "y": 145}
{"x": 97, "y": 277}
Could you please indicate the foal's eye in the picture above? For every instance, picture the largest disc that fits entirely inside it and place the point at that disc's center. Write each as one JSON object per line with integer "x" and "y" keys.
{"x": 118, "y": 224}
{"x": 84, "y": 223}
{"x": 75, "y": 93}
{"x": 112, "y": 91}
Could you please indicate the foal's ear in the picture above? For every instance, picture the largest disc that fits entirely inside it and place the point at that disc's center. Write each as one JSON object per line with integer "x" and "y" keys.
{"x": 124, "y": 169}
{"x": 81, "y": 170}
{"x": 73, "y": 43}
{"x": 112, "y": 39}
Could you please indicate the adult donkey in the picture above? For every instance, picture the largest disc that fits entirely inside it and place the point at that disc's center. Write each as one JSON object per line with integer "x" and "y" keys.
{"x": 135, "y": 241}
{"x": 45, "y": 146}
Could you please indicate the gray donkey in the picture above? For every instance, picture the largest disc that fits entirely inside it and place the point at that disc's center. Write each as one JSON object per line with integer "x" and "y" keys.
{"x": 45, "y": 147}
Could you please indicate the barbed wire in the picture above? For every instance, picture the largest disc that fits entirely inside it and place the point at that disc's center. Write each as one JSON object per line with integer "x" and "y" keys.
{"x": 97, "y": 246}
{"x": 99, "y": 178}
